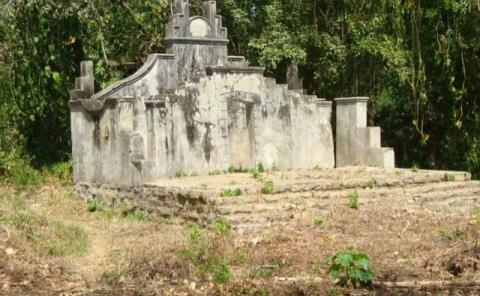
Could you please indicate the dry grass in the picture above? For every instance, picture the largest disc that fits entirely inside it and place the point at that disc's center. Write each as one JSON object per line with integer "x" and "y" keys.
{"x": 50, "y": 242}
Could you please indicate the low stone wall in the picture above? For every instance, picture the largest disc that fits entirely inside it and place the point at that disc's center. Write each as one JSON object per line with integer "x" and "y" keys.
{"x": 175, "y": 204}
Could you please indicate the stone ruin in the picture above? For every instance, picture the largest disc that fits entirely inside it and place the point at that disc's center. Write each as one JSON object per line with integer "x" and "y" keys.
{"x": 196, "y": 110}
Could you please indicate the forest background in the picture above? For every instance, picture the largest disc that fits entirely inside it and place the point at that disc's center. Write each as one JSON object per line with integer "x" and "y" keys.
{"x": 418, "y": 61}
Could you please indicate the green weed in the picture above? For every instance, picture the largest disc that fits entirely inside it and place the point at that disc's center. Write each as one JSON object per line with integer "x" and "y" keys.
{"x": 62, "y": 171}
{"x": 95, "y": 205}
{"x": 140, "y": 215}
{"x": 449, "y": 178}
{"x": 319, "y": 222}
{"x": 206, "y": 256}
{"x": 353, "y": 200}
{"x": 414, "y": 168}
{"x": 350, "y": 267}
{"x": 231, "y": 192}
{"x": 222, "y": 227}
{"x": 268, "y": 188}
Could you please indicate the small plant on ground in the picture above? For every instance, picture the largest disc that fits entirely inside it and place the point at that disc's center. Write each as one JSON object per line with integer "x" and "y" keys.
{"x": 94, "y": 205}
{"x": 350, "y": 267}
{"x": 222, "y": 273}
{"x": 231, "y": 192}
{"x": 255, "y": 173}
{"x": 204, "y": 185}
{"x": 261, "y": 168}
{"x": 414, "y": 168}
{"x": 319, "y": 222}
{"x": 353, "y": 200}
{"x": 180, "y": 174}
{"x": 222, "y": 227}
{"x": 449, "y": 178}
{"x": 268, "y": 188}
{"x": 140, "y": 215}
{"x": 456, "y": 234}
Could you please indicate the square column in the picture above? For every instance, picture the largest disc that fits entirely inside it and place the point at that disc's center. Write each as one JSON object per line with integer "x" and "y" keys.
{"x": 357, "y": 144}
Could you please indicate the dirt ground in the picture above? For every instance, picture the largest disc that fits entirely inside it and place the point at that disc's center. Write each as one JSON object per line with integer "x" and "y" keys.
{"x": 418, "y": 235}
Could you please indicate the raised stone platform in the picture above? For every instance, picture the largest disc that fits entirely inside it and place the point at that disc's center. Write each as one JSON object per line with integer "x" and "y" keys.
{"x": 298, "y": 194}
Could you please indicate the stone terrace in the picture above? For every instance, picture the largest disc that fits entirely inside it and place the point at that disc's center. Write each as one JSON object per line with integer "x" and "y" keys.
{"x": 299, "y": 195}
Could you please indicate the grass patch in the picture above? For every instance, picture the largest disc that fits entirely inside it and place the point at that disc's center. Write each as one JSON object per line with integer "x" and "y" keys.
{"x": 268, "y": 188}
{"x": 66, "y": 240}
{"x": 206, "y": 256}
{"x": 54, "y": 239}
{"x": 453, "y": 234}
{"x": 231, "y": 192}
{"x": 140, "y": 215}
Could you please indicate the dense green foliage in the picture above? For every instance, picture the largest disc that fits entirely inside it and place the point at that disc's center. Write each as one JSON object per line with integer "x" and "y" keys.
{"x": 418, "y": 61}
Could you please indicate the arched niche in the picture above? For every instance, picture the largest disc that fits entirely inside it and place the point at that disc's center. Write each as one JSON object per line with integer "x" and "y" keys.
{"x": 199, "y": 27}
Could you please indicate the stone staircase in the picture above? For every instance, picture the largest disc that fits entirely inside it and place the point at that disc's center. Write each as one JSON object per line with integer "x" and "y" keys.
{"x": 300, "y": 201}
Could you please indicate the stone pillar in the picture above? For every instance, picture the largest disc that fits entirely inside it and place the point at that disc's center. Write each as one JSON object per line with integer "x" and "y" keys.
{"x": 210, "y": 13}
{"x": 293, "y": 78}
{"x": 85, "y": 84}
{"x": 357, "y": 144}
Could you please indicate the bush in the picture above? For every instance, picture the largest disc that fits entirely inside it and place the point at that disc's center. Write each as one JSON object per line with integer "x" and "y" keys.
{"x": 18, "y": 170}
{"x": 62, "y": 170}
{"x": 350, "y": 268}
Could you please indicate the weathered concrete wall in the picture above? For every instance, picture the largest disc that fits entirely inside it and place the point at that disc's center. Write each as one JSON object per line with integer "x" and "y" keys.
{"x": 357, "y": 144}
{"x": 196, "y": 110}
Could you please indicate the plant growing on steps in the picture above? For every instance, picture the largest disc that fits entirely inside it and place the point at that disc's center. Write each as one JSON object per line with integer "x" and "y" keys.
{"x": 231, "y": 192}
{"x": 353, "y": 200}
{"x": 350, "y": 267}
{"x": 268, "y": 188}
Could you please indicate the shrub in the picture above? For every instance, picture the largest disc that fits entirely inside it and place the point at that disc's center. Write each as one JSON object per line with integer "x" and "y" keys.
{"x": 319, "y": 222}
{"x": 62, "y": 170}
{"x": 17, "y": 170}
{"x": 350, "y": 268}
{"x": 268, "y": 188}
{"x": 353, "y": 199}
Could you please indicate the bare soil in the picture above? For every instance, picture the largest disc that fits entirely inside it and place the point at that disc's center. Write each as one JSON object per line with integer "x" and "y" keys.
{"x": 416, "y": 233}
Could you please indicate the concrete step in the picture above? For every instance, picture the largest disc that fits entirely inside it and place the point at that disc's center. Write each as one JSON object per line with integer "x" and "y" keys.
{"x": 257, "y": 212}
